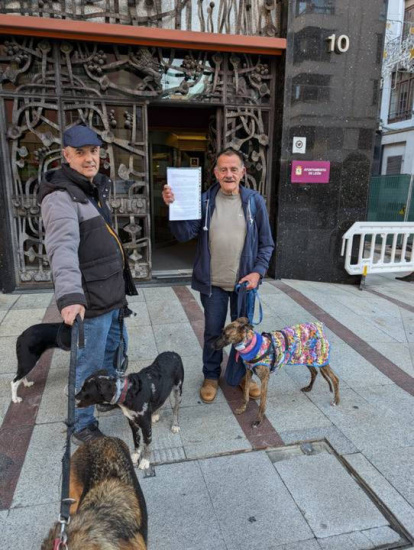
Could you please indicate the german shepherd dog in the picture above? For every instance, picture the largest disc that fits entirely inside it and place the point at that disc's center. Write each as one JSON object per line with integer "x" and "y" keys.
{"x": 110, "y": 511}
{"x": 31, "y": 344}
{"x": 304, "y": 344}
{"x": 139, "y": 396}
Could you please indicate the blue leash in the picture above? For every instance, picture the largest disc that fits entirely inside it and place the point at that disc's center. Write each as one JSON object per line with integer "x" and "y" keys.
{"x": 249, "y": 296}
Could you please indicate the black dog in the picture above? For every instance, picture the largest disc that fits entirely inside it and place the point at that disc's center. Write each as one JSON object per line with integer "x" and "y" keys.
{"x": 139, "y": 396}
{"x": 31, "y": 344}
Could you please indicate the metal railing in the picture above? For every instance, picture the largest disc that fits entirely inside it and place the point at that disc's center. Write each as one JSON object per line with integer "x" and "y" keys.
{"x": 399, "y": 115}
{"x": 378, "y": 247}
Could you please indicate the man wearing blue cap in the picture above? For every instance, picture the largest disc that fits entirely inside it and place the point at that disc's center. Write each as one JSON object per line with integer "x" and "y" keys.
{"x": 89, "y": 265}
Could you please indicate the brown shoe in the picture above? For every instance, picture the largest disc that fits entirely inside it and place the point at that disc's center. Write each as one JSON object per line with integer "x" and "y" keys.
{"x": 254, "y": 390}
{"x": 208, "y": 390}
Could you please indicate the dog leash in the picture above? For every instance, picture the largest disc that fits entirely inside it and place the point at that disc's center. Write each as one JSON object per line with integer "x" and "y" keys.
{"x": 78, "y": 341}
{"x": 248, "y": 298}
{"x": 120, "y": 357}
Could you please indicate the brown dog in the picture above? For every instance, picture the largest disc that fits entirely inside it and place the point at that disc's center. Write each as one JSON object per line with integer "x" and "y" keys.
{"x": 304, "y": 344}
{"x": 110, "y": 511}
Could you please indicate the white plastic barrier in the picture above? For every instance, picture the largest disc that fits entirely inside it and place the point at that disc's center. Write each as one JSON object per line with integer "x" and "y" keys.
{"x": 374, "y": 256}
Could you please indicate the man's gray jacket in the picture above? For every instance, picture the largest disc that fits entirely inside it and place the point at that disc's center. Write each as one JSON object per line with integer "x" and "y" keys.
{"x": 88, "y": 262}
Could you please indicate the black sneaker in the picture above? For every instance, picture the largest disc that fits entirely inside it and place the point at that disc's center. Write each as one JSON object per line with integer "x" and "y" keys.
{"x": 87, "y": 434}
{"x": 105, "y": 407}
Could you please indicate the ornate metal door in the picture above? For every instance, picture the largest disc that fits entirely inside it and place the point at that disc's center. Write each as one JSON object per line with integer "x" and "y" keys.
{"x": 53, "y": 96}
{"x": 248, "y": 120}
{"x": 247, "y": 129}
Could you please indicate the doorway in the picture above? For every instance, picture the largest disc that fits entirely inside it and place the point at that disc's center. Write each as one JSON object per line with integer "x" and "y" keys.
{"x": 178, "y": 137}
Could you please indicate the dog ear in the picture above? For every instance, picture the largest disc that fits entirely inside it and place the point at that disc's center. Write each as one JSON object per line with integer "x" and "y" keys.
{"x": 245, "y": 323}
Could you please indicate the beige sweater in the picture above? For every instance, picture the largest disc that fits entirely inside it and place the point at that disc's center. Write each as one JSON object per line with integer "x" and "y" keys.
{"x": 227, "y": 236}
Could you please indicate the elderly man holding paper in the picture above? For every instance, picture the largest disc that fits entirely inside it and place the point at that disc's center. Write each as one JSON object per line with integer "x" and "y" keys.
{"x": 235, "y": 245}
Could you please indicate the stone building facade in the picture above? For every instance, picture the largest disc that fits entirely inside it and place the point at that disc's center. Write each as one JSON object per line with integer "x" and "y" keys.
{"x": 169, "y": 83}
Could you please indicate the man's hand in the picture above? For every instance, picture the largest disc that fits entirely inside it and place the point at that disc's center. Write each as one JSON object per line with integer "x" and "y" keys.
{"x": 69, "y": 313}
{"x": 253, "y": 280}
{"x": 167, "y": 195}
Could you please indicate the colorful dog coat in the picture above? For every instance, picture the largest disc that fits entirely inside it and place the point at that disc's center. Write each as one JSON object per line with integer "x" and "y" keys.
{"x": 300, "y": 345}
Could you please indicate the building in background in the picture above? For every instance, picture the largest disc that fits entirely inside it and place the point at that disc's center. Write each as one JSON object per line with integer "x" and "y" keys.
{"x": 390, "y": 186}
{"x": 169, "y": 83}
{"x": 397, "y": 113}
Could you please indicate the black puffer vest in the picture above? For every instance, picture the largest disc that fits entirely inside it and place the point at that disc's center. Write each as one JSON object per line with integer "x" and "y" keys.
{"x": 99, "y": 257}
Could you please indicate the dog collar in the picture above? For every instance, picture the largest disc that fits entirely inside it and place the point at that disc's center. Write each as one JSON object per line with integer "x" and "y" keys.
{"x": 121, "y": 391}
{"x": 242, "y": 347}
{"x": 251, "y": 351}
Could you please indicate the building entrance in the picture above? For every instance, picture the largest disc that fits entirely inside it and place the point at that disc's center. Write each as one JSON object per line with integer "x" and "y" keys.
{"x": 181, "y": 137}
{"x": 152, "y": 108}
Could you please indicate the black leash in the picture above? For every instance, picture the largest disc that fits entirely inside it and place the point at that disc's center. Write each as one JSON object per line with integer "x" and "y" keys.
{"x": 121, "y": 358}
{"x": 78, "y": 341}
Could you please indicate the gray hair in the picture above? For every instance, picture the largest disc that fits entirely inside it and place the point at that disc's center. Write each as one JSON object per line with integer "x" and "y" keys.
{"x": 228, "y": 152}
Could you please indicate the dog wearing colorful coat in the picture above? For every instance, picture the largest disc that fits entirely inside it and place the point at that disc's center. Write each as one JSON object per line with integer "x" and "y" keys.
{"x": 301, "y": 345}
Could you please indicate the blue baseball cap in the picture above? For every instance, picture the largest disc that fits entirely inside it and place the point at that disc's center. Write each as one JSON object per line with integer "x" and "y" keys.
{"x": 78, "y": 136}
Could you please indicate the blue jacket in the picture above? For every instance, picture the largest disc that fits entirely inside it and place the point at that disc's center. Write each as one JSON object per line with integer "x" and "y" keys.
{"x": 258, "y": 246}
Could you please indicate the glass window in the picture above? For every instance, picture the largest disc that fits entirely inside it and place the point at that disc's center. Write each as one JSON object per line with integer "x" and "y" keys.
{"x": 408, "y": 27}
{"x": 402, "y": 96}
{"x": 190, "y": 77}
{"x": 310, "y": 43}
{"x": 323, "y": 7}
{"x": 394, "y": 164}
{"x": 383, "y": 13}
{"x": 310, "y": 88}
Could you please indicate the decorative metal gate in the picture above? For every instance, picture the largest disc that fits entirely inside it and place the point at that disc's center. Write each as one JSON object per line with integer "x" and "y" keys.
{"x": 246, "y": 17}
{"x": 48, "y": 86}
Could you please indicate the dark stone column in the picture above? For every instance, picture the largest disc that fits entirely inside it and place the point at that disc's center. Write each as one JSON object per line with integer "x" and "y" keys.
{"x": 7, "y": 268}
{"x": 331, "y": 99}
{"x": 7, "y": 277}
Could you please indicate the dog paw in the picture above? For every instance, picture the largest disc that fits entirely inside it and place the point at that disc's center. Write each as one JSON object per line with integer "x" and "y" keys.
{"x": 333, "y": 403}
{"x": 17, "y": 400}
{"x": 241, "y": 410}
{"x": 256, "y": 423}
{"x": 135, "y": 458}
{"x": 175, "y": 429}
{"x": 155, "y": 418}
{"x": 144, "y": 464}
{"x": 27, "y": 383}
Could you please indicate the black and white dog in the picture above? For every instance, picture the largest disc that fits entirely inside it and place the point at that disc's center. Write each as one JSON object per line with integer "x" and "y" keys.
{"x": 31, "y": 344}
{"x": 139, "y": 396}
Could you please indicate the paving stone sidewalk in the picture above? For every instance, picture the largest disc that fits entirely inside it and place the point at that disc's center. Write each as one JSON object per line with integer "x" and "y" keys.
{"x": 314, "y": 477}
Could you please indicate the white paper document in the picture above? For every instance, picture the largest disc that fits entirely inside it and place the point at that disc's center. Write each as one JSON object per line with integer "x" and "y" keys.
{"x": 186, "y": 186}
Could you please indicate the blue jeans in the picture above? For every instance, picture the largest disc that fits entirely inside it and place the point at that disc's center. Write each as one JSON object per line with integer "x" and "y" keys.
{"x": 215, "y": 312}
{"x": 102, "y": 338}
